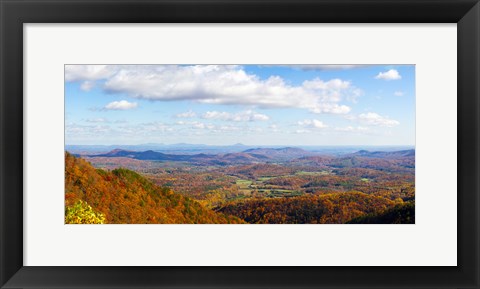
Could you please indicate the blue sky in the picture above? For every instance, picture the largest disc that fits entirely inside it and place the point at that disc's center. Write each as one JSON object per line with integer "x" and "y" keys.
{"x": 249, "y": 104}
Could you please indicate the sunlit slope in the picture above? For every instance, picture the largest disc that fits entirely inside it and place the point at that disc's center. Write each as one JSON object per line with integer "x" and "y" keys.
{"x": 125, "y": 197}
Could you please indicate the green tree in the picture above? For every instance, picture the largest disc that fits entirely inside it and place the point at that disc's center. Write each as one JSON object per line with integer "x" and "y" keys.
{"x": 82, "y": 213}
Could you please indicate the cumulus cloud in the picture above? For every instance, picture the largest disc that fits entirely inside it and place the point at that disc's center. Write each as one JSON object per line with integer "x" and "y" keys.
{"x": 120, "y": 105}
{"x": 312, "y": 123}
{"x": 187, "y": 114}
{"x": 392, "y": 74}
{"x": 87, "y": 85}
{"x": 247, "y": 115}
{"x": 218, "y": 84}
{"x": 89, "y": 72}
{"x": 398, "y": 93}
{"x": 372, "y": 118}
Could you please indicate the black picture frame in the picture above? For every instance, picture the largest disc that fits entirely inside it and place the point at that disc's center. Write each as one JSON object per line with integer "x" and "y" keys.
{"x": 14, "y": 13}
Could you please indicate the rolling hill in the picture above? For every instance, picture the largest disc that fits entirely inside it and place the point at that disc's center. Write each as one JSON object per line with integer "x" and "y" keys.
{"x": 324, "y": 209}
{"x": 248, "y": 156}
{"x": 400, "y": 214}
{"x": 125, "y": 197}
{"x": 385, "y": 154}
{"x": 286, "y": 153}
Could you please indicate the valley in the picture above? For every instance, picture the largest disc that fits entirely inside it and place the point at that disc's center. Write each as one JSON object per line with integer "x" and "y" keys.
{"x": 278, "y": 184}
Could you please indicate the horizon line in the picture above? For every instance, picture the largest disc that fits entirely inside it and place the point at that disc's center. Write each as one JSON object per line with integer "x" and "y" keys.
{"x": 238, "y": 144}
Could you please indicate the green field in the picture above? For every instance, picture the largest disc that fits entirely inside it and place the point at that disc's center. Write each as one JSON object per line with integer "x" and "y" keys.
{"x": 247, "y": 187}
{"x": 305, "y": 173}
{"x": 243, "y": 183}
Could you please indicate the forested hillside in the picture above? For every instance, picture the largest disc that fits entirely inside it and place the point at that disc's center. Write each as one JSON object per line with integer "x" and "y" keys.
{"x": 323, "y": 209}
{"x": 400, "y": 214}
{"x": 122, "y": 196}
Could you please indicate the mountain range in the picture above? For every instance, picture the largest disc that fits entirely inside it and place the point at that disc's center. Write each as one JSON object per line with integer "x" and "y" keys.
{"x": 249, "y": 156}
{"x": 186, "y": 148}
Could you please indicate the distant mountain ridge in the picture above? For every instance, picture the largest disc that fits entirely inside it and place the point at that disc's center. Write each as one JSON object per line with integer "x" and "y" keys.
{"x": 247, "y": 156}
{"x": 253, "y": 155}
{"x": 282, "y": 153}
{"x": 190, "y": 149}
{"x": 170, "y": 148}
{"x": 147, "y": 155}
{"x": 384, "y": 154}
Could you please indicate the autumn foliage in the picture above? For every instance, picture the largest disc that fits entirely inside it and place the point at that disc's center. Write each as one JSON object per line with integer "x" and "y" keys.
{"x": 125, "y": 197}
{"x": 400, "y": 214}
{"x": 323, "y": 209}
{"x": 365, "y": 187}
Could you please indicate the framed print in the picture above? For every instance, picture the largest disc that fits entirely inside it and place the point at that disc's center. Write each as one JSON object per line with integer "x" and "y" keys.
{"x": 239, "y": 144}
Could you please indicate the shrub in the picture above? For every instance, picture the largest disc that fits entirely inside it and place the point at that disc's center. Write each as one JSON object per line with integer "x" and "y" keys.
{"x": 82, "y": 213}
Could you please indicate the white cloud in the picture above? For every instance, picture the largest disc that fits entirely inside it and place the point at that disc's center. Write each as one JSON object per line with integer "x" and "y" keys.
{"x": 227, "y": 128}
{"x": 247, "y": 115}
{"x": 87, "y": 85}
{"x": 196, "y": 125}
{"x": 354, "y": 95}
{"x": 120, "y": 105}
{"x": 321, "y": 66}
{"x": 96, "y": 120}
{"x": 273, "y": 128}
{"x": 331, "y": 108}
{"x": 91, "y": 130}
{"x": 372, "y": 118}
{"x": 218, "y": 84}
{"x": 352, "y": 129}
{"x": 398, "y": 93}
{"x": 392, "y": 74}
{"x": 88, "y": 72}
{"x": 201, "y": 125}
{"x": 144, "y": 129}
{"x": 154, "y": 127}
{"x": 187, "y": 114}
{"x": 302, "y": 131}
{"x": 312, "y": 123}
